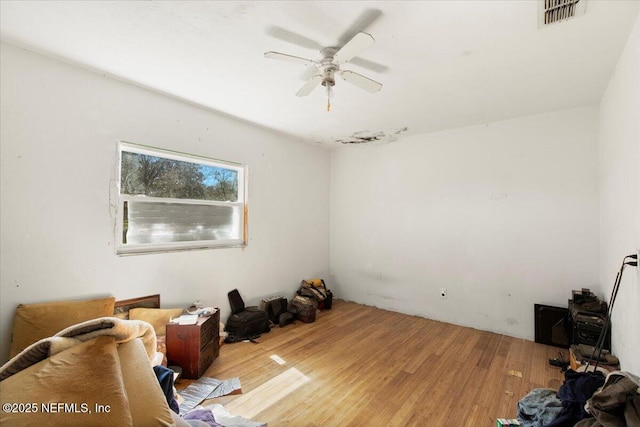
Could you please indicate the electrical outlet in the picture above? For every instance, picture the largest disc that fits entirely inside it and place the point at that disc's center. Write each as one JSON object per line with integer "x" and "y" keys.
{"x": 443, "y": 293}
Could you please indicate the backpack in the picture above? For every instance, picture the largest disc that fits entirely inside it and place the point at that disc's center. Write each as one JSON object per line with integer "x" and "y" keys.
{"x": 245, "y": 323}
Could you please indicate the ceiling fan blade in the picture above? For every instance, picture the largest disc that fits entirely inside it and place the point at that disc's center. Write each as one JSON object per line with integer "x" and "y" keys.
{"x": 294, "y": 38}
{"x": 310, "y": 85}
{"x": 369, "y": 65}
{"x": 361, "y": 81}
{"x": 309, "y": 72}
{"x": 364, "y": 21}
{"x": 288, "y": 58}
{"x": 357, "y": 44}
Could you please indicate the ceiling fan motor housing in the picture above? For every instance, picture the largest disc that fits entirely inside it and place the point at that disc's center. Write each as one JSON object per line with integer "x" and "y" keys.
{"x": 328, "y": 77}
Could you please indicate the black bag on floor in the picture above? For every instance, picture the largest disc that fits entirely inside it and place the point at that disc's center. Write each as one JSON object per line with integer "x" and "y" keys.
{"x": 275, "y": 308}
{"x": 245, "y": 322}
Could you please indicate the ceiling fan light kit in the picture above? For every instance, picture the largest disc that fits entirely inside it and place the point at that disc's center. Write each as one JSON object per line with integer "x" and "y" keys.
{"x": 329, "y": 66}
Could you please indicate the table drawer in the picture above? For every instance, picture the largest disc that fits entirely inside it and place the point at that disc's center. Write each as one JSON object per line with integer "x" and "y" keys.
{"x": 210, "y": 329}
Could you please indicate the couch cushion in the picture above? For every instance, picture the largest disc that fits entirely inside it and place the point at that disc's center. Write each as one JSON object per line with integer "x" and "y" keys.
{"x": 158, "y": 317}
{"x": 34, "y": 322}
{"x": 147, "y": 402}
{"x": 69, "y": 389}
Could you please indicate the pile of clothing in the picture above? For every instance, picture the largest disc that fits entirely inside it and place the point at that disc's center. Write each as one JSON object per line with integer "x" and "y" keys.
{"x": 585, "y": 399}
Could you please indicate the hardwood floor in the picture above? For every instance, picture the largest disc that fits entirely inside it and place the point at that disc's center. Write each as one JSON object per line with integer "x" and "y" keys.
{"x": 363, "y": 366}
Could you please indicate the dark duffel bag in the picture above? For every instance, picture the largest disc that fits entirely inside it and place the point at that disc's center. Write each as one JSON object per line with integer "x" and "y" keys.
{"x": 245, "y": 323}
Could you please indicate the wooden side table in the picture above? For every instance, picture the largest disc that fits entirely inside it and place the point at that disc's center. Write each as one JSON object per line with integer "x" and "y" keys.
{"x": 194, "y": 347}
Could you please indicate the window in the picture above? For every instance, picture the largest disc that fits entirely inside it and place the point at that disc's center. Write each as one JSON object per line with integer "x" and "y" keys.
{"x": 172, "y": 201}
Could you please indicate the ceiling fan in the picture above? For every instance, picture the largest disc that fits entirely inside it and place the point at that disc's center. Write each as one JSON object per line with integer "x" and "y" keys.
{"x": 329, "y": 66}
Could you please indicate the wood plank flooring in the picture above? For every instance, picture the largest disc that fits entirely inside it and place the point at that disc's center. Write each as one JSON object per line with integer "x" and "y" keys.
{"x": 363, "y": 366}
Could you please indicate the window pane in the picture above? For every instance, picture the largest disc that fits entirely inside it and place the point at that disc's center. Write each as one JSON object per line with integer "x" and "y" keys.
{"x": 158, "y": 222}
{"x": 142, "y": 174}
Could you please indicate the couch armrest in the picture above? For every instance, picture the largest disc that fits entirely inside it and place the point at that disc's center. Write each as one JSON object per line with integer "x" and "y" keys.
{"x": 147, "y": 402}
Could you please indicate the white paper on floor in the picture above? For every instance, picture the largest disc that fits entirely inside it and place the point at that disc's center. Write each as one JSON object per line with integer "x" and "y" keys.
{"x": 205, "y": 388}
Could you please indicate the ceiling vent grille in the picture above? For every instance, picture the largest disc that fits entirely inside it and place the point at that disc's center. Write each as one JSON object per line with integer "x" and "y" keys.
{"x": 551, "y": 11}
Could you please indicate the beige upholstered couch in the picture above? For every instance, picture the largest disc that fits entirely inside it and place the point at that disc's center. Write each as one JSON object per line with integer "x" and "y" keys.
{"x": 96, "y": 372}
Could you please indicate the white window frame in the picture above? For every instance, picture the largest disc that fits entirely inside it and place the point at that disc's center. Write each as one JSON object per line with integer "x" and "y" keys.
{"x": 145, "y": 248}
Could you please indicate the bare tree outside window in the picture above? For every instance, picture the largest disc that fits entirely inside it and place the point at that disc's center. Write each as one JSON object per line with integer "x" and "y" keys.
{"x": 142, "y": 174}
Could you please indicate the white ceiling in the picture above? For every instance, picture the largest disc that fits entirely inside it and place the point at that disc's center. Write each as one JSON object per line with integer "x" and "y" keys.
{"x": 443, "y": 64}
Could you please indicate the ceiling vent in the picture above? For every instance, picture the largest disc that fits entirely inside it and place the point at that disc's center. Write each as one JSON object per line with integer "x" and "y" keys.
{"x": 552, "y": 11}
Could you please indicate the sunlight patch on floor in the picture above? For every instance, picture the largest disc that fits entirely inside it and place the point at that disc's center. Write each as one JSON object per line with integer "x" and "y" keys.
{"x": 257, "y": 400}
{"x": 279, "y": 360}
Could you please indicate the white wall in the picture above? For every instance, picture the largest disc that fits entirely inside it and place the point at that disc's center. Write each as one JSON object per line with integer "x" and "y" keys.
{"x": 620, "y": 198}
{"x": 503, "y": 215}
{"x": 60, "y": 125}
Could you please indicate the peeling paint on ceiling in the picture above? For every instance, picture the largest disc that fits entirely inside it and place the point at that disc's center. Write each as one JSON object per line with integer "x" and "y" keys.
{"x": 367, "y": 137}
